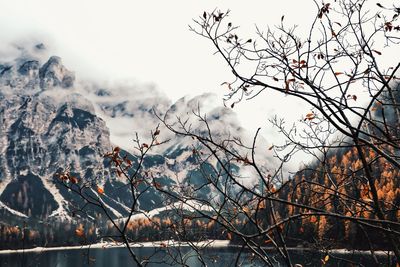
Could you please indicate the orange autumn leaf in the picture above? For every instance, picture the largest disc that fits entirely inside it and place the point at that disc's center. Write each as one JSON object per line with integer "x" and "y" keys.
{"x": 79, "y": 232}
{"x": 62, "y": 176}
{"x": 246, "y": 209}
{"x": 325, "y": 259}
{"x": 310, "y": 115}
{"x": 310, "y": 118}
{"x": 100, "y": 190}
{"x": 354, "y": 97}
{"x": 127, "y": 161}
{"x": 73, "y": 179}
{"x": 338, "y": 73}
{"x": 313, "y": 219}
{"x": 157, "y": 185}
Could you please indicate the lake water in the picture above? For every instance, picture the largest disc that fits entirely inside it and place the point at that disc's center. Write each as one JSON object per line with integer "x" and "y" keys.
{"x": 119, "y": 257}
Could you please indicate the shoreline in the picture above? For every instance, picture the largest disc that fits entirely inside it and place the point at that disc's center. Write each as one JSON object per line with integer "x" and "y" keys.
{"x": 108, "y": 245}
{"x": 173, "y": 243}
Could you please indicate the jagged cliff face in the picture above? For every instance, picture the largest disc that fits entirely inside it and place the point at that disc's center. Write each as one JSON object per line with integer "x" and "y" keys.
{"x": 28, "y": 74}
{"x": 46, "y": 126}
{"x": 49, "y": 122}
{"x": 39, "y": 134}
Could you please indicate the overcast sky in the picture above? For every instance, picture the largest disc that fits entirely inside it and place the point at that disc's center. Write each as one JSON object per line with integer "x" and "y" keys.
{"x": 150, "y": 42}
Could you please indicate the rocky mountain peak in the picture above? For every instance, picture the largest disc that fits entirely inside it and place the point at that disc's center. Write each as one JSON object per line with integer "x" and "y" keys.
{"x": 53, "y": 73}
{"x": 28, "y": 75}
{"x": 30, "y": 68}
{"x": 45, "y": 129}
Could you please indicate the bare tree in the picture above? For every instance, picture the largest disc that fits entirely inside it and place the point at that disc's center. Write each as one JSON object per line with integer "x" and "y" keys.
{"x": 326, "y": 69}
{"x": 180, "y": 239}
{"x": 351, "y": 187}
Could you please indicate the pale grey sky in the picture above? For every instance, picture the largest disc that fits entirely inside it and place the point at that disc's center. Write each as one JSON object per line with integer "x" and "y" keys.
{"x": 146, "y": 41}
{"x": 150, "y": 42}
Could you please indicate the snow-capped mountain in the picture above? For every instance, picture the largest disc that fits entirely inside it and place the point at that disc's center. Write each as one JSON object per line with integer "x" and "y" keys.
{"x": 51, "y": 122}
{"x": 45, "y": 128}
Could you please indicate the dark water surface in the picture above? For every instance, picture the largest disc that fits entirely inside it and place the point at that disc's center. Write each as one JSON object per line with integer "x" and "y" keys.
{"x": 119, "y": 257}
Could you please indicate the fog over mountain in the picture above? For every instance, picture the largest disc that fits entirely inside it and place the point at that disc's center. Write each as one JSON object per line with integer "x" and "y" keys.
{"x": 52, "y": 121}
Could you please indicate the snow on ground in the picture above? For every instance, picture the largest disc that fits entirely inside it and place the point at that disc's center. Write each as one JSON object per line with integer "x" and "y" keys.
{"x": 7, "y": 178}
{"x": 15, "y": 212}
{"x": 60, "y": 211}
{"x": 127, "y": 209}
{"x": 172, "y": 243}
{"x": 190, "y": 205}
{"x": 114, "y": 211}
{"x": 105, "y": 245}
